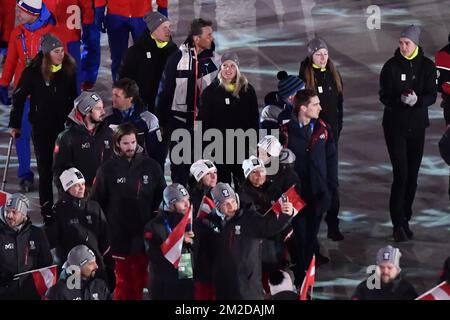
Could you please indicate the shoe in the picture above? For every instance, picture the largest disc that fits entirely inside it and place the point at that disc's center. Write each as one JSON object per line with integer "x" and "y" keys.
{"x": 320, "y": 259}
{"x": 335, "y": 234}
{"x": 408, "y": 231}
{"x": 400, "y": 235}
{"x": 26, "y": 185}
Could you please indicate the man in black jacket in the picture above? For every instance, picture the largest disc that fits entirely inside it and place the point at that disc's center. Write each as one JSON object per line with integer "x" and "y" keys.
{"x": 407, "y": 89}
{"x": 129, "y": 188}
{"x": 144, "y": 61}
{"x": 78, "y": 280}
{"x": 235, "y": 231}
{"x": 128, "y": 108}
{"x": 23, "y": 247}
{"x": 187, "y": 73}
{"x": 388, "y": 283}
{"x": 87, "y": 141}
{"x": 168, "y": 282}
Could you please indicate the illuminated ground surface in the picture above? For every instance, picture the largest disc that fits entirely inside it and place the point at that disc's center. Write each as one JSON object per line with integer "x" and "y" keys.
{"x": 270, "y": 35}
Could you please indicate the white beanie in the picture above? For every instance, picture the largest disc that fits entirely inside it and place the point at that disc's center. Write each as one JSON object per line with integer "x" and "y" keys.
{"x": 32, "y": 7}
{"x": 71, "y": 177}
{"x": 201, "y": 168}
{"x": 250, "y": 164}
{"x": 279, "y": 281}
{"x": 271, "y": 145}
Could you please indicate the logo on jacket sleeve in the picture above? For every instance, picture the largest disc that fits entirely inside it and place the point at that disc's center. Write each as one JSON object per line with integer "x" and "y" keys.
{"x": 85, "y": 145}
{"x": 32, "y": 245}
{"x": 9, "y": 246}
{"x": 89, "y": 219}
{"x": 106, "y": 142}
{"x": 122, "y": 180}
{"x": 145, "y": 179}
{"x": 237, "y": 230}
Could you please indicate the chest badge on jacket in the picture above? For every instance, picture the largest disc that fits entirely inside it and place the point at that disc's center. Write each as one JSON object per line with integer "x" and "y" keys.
{"x": 89, "y": 219}
{"x": 32, "y": 245}
{"x": 122, "y": 180}
{"x": 149, "y": 55}
{"x": 85, "y": 145}
{"x": 9, "y": 246}
{"x": 237, "y": 230}
{"x": 106, "y": 142}
{"x": 145, "y": 179}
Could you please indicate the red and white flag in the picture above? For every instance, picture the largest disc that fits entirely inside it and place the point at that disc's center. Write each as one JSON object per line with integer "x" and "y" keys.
{"x": 43, "y": 278}
{"x": 292, "y": 196}
{"x": 172, "y": 246}
{"x": 309, "y": 279}
{"x": 4, "y": 198}
{"x": 206, "y": 206}
{"x": 440, "y": 292}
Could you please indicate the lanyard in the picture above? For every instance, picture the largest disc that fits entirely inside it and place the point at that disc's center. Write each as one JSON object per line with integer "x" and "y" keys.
{"x": 168, "y": 227}
{"x": 25, "y": 50}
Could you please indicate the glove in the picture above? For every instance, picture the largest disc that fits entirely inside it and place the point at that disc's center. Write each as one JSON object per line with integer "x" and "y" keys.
{"x": 409, "y": 98}
{"x": 99, "y": 18}
{"x": 4, "y": 99}
{"x": 163, "y": 11}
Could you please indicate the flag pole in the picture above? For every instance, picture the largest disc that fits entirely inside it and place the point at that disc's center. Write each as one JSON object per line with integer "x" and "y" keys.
{"x": 311, "y": 294}
{"x": 16, "y": 276}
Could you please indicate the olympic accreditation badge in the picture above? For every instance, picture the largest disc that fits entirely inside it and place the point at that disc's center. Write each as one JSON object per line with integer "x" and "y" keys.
{"x": 185, "y": 270}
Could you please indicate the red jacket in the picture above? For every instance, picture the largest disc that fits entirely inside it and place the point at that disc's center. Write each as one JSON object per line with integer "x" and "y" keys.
{"x": 130, "y": 8}
{"x": 443, "y": 67}
{"x": 7, "y": 18}
{"x": 68, "y": 20}
{"x": 15, "y": 60}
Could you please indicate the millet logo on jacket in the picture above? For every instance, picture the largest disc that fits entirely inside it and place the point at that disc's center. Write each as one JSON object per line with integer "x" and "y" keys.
{"x": 122, "y": 180}
{"x": 86, "y": 145}
{"x": 9, "y": 246}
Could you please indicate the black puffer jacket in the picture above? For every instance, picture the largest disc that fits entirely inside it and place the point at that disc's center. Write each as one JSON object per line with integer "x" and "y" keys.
{"x": 129, "y": 194}
{"x": 93, "y": 289}
{"x": 144, "y": 63}
{"x": 237, "y": 243}
{"x": 79, "y": 148}
{"x": 399, "y": 289}
{"x": 400, "y": 75}
{"x": 50, "y": 104}
{"x": 78, "y": 221}
{"x": 21, "y": 251}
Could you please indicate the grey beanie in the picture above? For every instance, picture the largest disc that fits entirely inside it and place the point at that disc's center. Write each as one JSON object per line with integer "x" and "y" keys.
{"x": 50, "y": 42}
{"x": 221, "y": 192}
{"x": 173, "y": 193}
{"x": 389, "y": 254}
{"x": 79, "y": 255}
{"x": 86, "y": 101}
{"x": 316, "y": 44}
{"x": 19, "y": 202}
{"x": 230, "y": 56}
{"x": 154, "y": 19}
{"x": 412, "y": 33}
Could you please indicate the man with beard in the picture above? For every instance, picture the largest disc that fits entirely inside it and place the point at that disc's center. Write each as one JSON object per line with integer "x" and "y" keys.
{"x": 129, "y": 188}
{"x": 87, "y": 141}
{"x": 391, "y": 284}
{"x": 80, "y": 264}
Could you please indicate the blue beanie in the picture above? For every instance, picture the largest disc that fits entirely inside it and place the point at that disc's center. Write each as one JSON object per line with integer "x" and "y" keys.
{"x": 288, "y": 85}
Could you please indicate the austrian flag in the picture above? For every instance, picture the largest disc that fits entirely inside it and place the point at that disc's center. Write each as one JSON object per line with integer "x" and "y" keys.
{"x": 440, "y": 292}
{"x": 172, "y": 246}
{"x": 206, "y": 206}
{"x": 44, "y": 278}
{"x": 292, "y": 196}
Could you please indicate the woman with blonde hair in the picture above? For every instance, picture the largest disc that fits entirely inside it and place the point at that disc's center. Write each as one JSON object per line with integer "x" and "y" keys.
{"x": 50, "y": 81}
{"x": 230, "y": 102}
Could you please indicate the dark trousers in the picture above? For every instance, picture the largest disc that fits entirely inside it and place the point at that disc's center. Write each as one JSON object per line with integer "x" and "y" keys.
{"x": 161, "y": 289}
{"x": 331, "y": 217}
{"x": 306, "y": 227}
{"x": 405, "y": 152}
{"x": 44, "y": 143}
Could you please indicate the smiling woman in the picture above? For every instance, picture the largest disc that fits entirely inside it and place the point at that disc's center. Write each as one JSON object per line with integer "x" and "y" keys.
{"x": 50, "y": 82}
